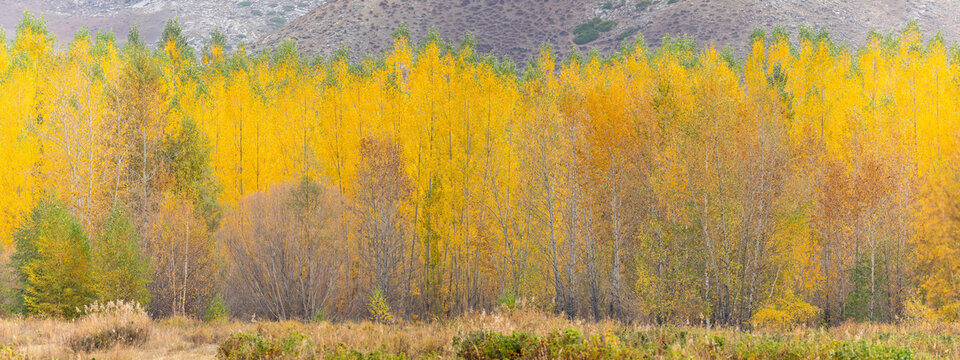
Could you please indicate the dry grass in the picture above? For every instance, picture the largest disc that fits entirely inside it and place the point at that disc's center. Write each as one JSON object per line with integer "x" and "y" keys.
{"x": 181, "y": 338}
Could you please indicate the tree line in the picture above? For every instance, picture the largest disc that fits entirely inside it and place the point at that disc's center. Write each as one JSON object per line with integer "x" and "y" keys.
{"x": 805, "y": 183}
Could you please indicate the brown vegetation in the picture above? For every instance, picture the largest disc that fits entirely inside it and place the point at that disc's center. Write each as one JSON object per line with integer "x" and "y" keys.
{"x": 182, "y": 338}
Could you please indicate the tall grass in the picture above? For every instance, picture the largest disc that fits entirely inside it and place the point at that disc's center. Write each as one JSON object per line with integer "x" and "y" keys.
{"x": 121, "y": 331}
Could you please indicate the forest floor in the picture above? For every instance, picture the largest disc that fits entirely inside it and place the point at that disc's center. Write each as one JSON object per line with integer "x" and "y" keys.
{"x": 503, "y": 334}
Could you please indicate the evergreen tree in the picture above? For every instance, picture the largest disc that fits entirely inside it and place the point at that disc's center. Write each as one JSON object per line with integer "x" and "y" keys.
{"x": 52, "y": 260}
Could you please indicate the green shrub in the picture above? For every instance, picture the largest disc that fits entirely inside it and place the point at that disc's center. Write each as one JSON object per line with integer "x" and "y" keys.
{"x": 672, "y": 1}
{"x": 257, "y": 13}
{"x": 255, "y": 346}
{"x": 643, "y": 5}
{"x": 342, "y": 353}
{"x": 592, "y": 24}
{"x": 247, "y": 346}
{"x": 866, "y": 350}
{"x": 627, "y": 33}
{"x": 483, "y": 345}
{"x": 319, "y": 316}
{"x": 586, "y": 37}
{"x": 607, "y": 5}
{"x": 590, "y": 31}
{"x": 244, "y": 3}
{"x": 277, "y": 21}
{"x": 568, "y": 343}
{"x": 606, "y": 26}
{"x": 217, "y": 310}
{"x": 507, "y": 300}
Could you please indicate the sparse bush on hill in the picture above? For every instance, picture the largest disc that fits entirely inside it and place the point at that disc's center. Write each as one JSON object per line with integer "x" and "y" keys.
{"x": 586, "y": 36}
{"x": 590, "y": 31}
{"x": 627, "y": 33}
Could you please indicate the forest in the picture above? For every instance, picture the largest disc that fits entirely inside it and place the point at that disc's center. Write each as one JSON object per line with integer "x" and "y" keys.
{"x": 805, "y": 183}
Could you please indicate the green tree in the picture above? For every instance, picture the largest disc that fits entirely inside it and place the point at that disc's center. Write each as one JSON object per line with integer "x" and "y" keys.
{"x": 121, "y": 269}
{"x": 192, "y": 178}
{"x": 52, "y": 261}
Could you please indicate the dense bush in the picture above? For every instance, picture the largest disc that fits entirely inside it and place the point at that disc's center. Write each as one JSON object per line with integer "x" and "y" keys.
{"x": 590, "y": 31}
{"x": 561, "y": 344}
{"x": 586, "y": 36}
{"x": 256, "y": 346}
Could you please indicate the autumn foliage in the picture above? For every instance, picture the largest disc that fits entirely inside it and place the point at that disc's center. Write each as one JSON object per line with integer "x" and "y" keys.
{"x": 804, "y": 183}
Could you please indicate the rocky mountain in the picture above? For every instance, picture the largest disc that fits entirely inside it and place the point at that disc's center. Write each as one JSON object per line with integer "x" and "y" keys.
{"x": 240, "y": 20}
{"x": 516, "y": 27}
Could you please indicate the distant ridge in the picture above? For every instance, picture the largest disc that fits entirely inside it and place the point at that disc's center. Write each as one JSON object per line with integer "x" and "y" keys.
{"x": 515, "y": 28}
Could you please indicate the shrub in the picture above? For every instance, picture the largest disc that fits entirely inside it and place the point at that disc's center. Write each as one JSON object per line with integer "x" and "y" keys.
{"x": 606, "y": 26}
{"x": 342, "y": 353}
{"x": 590, "y": 31}
{"x": 586, "y": 37}
{"x": 627, "y": 33}
{"x": 244, "y": 3}
{"x": 319, "y": 316}
{"x": 783, "y": 312}
{"x": 104, "y": 326}
{"x": 9, "y": 353}
{"x": 483, "y": 345}
{"x": 568, "y": 343}
{"x": 643, "y": 5}
{"x": 247, "y": 346}
{"x": 586, "y": 26}
{"x": 507, "y": 300}
{"x": 378, "y": 307}
{"x": 217, "y": 310}
{"x": 255, "y": 346}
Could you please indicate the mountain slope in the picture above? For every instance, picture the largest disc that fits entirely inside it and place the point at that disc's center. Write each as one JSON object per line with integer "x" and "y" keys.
{"x": 240, "y": 20}
{"x": 516, "y": 27}
{"x": 511, "y": 27}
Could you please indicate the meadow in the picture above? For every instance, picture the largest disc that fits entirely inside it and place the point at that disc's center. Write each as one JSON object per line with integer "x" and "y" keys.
{"x": 123, "y": 331}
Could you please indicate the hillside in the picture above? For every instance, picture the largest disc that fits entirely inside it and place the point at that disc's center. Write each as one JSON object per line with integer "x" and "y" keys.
{"x": 240, "y": 20}
{"x": 515, "y": 28}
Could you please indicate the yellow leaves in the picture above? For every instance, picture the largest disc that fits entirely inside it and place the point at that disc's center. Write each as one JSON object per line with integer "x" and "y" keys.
{"x": 4, "y": 56}
{"x": 674, "y": 128}
{"x": 784, "y": 312}
{"x": 170, "y": 47}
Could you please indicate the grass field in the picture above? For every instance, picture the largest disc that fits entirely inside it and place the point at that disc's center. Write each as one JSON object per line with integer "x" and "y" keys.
{"x": 523, "y": 333}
